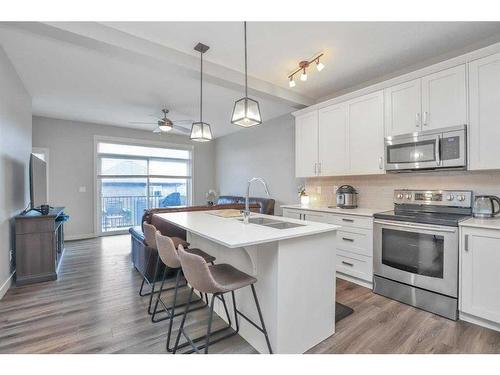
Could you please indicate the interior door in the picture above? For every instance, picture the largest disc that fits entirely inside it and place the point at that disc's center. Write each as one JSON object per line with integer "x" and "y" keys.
{"x": 403, "y": 108}
{"x": 480, "y": 281}
{"x": 306, "y": 144}
{"x": 484, "y": 129}
{"x": 366, "y": 134}
{"x": 444, "y": 98}
{"x": 333, "y": 155}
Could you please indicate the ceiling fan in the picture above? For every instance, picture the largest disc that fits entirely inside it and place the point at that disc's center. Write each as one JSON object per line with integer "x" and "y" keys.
{"x": 164, "y": 124}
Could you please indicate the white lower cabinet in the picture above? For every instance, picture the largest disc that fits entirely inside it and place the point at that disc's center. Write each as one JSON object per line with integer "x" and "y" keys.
{"x": 480, "y": 274}
{"x": 354, "y": 243}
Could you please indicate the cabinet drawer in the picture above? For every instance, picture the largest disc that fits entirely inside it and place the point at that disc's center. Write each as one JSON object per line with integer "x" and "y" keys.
{"x": 359, "y": 241}
{"x": 352, "y": 221}
{"x": 355, "y": 265}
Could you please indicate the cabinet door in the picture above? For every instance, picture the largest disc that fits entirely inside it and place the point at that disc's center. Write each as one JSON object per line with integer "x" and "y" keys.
{"x": 484, "y": 97}
{"x": 366, "y": 134}
{"x": 306, "y": 144}
{"x": 332, "y": 140}
{"x": 480, "y": 277}
{"x": 444, "y": 99}
{"x": 403, "y": 108}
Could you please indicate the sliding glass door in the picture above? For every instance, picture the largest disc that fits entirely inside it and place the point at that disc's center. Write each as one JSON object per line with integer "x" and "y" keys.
{"x": 133, "y": 178}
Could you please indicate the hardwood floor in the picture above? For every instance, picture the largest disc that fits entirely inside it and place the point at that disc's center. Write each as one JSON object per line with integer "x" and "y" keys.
{"x": 94, "y": 307}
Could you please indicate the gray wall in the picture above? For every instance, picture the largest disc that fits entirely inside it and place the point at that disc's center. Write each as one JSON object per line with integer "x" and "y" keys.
{"x": 71, "y": 165}
{"x": 266, "y": 151}
{"x": 15, "y": 149}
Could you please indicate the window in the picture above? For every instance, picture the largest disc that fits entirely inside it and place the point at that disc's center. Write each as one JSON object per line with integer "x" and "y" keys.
{"x": 132, "y": 178}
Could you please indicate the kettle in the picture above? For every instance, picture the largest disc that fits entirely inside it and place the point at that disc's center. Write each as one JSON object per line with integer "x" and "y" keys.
{"x": 484, "y": 206}
{"x": 347, "y": 197}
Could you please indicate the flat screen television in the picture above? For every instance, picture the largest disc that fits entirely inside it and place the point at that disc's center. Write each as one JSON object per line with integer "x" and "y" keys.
{"x": 38, "y": 182}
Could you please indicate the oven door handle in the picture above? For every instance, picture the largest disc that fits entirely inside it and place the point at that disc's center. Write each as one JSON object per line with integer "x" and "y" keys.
{"x": 411, "y": 226}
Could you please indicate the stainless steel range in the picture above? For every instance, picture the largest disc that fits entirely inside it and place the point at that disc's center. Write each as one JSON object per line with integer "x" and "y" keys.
{"x": 416, "y": 249}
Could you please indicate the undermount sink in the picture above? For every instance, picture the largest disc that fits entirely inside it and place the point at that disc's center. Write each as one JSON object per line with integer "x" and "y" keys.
{"x": 276, "y": 224}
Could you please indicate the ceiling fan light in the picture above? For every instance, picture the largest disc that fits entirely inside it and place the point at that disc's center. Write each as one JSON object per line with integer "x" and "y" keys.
{"x": 246, "y": 113}
{"x": 200, "y": 132}
{"x": 165, "y": 127}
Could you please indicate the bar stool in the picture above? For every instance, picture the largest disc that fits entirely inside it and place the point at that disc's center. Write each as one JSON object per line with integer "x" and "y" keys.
{"x": 150, "y": 239}
{"x": 216, "y": 280}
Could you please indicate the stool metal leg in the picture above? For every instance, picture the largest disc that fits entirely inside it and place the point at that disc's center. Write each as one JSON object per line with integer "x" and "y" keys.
{"x": 153, "y": 285}
{"x": 144, "y": 276}
{"x": 210, "y": 318}
{"x": 181, "y": 328}
{"x": 264, "y": 330}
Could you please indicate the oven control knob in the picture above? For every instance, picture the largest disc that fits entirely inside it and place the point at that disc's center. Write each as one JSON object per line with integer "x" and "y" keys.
{"x": 399, "y": 196}
{"x": 450, "y": 197}
{"x": 408, "y": 196}
{"x": 461, "y": 198}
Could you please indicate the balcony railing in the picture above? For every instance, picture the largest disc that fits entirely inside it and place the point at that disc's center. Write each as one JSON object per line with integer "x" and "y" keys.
{"x": 122, "y": 212}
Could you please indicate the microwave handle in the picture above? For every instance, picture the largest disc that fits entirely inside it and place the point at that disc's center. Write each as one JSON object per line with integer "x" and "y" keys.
{"x": 438, "y": 150}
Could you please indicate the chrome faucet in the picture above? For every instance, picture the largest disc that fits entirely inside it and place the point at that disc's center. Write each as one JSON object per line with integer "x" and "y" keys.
{"x": 246, "y": 211}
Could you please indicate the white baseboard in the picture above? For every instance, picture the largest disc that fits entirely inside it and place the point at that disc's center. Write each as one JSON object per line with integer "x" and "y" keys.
{"x": 355, "y": 280}
{"x": 479, "y": 321}
{"x": 79, "y": 237}
{"x": 6, "y": 285}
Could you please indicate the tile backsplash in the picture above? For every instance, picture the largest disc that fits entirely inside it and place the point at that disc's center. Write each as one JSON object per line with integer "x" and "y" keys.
{"x": 377, "y": 191}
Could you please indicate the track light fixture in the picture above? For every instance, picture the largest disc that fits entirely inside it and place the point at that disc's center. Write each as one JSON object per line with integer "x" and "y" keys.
{"x": 303, "y": 65}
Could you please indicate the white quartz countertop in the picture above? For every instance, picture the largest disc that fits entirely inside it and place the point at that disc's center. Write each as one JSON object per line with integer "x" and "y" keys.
{"x": 334, "y": 210}
{"x": 493, "y": 223}
{"x": 232, "y": 233}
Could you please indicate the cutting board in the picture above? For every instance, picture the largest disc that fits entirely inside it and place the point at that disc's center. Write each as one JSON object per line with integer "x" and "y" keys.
{"x": 226, "y": 213}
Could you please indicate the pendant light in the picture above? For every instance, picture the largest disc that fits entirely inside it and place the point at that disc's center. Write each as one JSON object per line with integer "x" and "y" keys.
{"x": 200, "y": 131}
{"x": 246, "y": 111}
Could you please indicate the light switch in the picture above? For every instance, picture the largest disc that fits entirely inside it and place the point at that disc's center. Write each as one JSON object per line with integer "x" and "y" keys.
{"x": 82, "y": 189}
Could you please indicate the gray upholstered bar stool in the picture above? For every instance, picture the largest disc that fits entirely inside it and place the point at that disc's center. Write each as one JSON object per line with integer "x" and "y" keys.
{"x": 169, "y": 256}
{"x": 216, "y": 280}
{"x": 150, "y": 239}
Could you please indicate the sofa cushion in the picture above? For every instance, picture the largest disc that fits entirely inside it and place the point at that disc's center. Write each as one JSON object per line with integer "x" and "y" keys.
{"x": 137, "y": 233}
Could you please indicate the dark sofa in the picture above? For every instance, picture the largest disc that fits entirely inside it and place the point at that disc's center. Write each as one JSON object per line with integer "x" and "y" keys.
{"x": 141, "y": 251}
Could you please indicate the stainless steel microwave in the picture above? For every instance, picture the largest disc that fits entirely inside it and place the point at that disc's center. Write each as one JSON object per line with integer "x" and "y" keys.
{"x": 427, "y": 150}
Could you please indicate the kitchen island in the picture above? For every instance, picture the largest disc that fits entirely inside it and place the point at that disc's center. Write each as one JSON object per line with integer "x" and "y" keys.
{"x": 294, "y": 263}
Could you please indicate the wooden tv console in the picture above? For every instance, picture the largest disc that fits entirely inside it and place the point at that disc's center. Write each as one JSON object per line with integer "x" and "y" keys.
{"x": 39, "y": 245}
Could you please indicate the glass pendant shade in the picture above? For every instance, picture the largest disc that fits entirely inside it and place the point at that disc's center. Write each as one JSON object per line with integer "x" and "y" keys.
{"x": 246, "y": 113}
{"x": 165, "y": 127}
{"x": 200, "y": 132}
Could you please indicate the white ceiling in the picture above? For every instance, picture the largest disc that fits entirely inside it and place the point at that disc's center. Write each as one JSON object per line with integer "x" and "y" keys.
{"x": 118, "y": 72}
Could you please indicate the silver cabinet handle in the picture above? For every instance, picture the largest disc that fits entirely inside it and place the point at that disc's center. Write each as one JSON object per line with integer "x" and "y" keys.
{"x": 348, "y": 239}
{"x": 417, "y": 119}
{"x": 348, "y": 220}
{"x": 425, "y": 118}
{"x": 466, "y": 245}
{"x": 381, "y": 163}
{"x": 347, "y": 263}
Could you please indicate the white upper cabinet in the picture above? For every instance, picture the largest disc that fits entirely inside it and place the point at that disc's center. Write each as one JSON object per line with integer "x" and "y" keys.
{"x": 403, "y": 108}
{"x": 306, "y": 144}
{"x": 333, "y": 158}
{"x": 444, "y": 98}
{"x": 484, "y": 98}
{"x": 438, "y": 100}
{"x": 366, "y": 134}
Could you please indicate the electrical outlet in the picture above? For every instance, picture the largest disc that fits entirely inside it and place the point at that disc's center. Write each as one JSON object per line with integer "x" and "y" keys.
{"x": 82, "y": 189}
